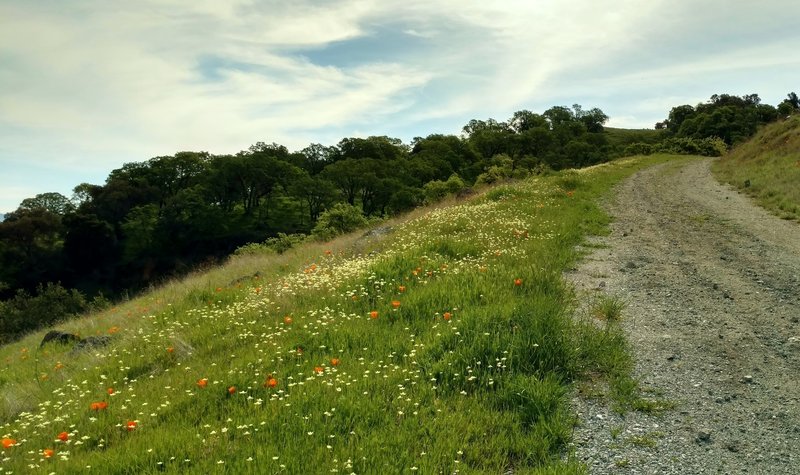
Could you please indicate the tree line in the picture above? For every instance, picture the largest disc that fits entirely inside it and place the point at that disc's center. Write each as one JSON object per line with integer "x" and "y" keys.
{"x": 165, "y": 216}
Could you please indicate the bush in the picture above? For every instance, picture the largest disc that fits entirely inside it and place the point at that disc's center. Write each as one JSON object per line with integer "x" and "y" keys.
{"x": 24, "y": 313}
{"x": 434, "y": 191}
{"x": 278, "y": 244}
{"x": 709, "y": 146}
{"x": 638, "y": 149}
{"x": 340, "y": 219}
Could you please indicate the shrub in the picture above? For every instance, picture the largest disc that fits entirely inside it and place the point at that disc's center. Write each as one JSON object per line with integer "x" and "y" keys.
{"x": 278, "y": 244}
{"x": 25, "y": 312}
{"x": 340, "y": 219}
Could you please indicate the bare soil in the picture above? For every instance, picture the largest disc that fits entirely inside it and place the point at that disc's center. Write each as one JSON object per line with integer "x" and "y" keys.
{"x": 712, "y": 284}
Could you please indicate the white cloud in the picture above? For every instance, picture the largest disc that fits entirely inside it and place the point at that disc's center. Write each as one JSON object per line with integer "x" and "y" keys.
{"x": 89, "y": 84}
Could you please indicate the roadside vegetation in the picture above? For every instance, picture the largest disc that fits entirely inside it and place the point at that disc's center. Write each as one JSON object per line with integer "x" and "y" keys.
{"x": 767, "y": 168}
{"x": 444, "y": 341}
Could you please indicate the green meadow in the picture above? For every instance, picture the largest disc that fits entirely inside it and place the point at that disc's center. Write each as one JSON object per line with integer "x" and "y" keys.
{"x": 446, "y": 343}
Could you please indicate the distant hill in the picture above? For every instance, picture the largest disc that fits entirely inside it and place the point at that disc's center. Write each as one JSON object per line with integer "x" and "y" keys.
{"x": 767, "y": 167}
{"x": 622, "y": 137}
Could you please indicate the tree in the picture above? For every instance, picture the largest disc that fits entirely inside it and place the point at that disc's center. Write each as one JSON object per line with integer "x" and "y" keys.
{"x": 55, "y": 203}
{"x": 316, "y": 192}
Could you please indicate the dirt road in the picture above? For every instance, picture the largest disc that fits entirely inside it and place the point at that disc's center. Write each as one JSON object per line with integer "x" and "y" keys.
{"x": 713, "y": 290}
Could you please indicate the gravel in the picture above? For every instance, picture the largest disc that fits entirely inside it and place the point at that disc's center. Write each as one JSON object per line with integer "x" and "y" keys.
{"x": 713, "y": 290}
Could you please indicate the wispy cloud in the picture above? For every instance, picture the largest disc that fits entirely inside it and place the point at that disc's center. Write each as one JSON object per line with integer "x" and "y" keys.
{"x": 87, "y": 85}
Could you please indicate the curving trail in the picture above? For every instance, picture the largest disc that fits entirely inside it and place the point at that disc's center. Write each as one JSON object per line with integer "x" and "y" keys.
{"x": 713, "y": 286}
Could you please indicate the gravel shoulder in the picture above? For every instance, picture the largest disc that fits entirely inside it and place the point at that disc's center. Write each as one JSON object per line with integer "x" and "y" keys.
{"x": 712, "y": 284}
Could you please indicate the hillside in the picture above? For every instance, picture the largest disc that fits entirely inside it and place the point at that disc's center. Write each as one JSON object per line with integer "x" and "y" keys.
{"x": 442, "y": 342}
{"x": 767, "y": 167}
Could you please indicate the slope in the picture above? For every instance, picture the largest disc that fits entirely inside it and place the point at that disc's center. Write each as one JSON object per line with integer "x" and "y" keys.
{"x": 444, "y": 344}
{"x": 767, "y": 167}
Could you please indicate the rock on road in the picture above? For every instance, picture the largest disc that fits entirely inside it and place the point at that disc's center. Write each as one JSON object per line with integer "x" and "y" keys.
{"x": 712, "y": 284}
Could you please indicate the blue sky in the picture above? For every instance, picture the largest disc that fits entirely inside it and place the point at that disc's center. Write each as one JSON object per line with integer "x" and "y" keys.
{"x": 88, "y": 85}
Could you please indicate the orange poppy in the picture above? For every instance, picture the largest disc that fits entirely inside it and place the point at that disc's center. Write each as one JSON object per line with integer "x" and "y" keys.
{"x": 63, "y": 437}
{"x": 110, "y": 391}
{"x": 231, "y": 389}
{"x": 517, "y": 282}
{"x": 59, "y": 365}
{"x": 113, "y": 330}
{"x": 203, "y": 382}
{"x": 8, "y": 443}
{"x": 447, "y": 315}
{"x": 47, "y": 453}
{"x": 373, "y": 314}
{"x": 334, "y": 361}
{"x": 395, "y": 304}
{"x": 170, "y": 350}
{"x": 401, "y": 288}
{"x": 98, "y": 406}
{"x": 131, "y": 425}
{"x": 287, "y": 320}
{"x": 318, "y": 369}
{"x": 270, "y": 382}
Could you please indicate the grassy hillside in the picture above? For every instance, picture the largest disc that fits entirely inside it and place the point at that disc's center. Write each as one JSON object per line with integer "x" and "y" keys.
{"x": 767, "y": 167}
{"x": 619, "y": 138}
{"x": 446, "y": 345}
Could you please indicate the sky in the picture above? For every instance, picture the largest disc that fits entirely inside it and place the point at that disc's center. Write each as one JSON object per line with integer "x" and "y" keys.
{"x": 88, "y": 85}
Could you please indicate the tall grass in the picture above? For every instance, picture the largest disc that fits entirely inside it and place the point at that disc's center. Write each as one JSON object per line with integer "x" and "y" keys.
{"x": 767, "y": 167}
{"x": 446, "y": 346}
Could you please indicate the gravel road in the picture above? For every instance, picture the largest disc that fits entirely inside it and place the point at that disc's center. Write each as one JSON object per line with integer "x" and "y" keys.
{"x": 713, "y": 290}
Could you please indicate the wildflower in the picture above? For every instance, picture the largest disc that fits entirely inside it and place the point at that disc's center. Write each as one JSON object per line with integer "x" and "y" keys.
{"x": 170, "y": 350}
{"x": 318, "y": 369}
{"x": 59, "y": 365}
{"x": 334, "y": 361}
{"x": 570, "y": 193}
{"x": 231, "y": 389}
{"x": 517, "y": 282}
{"x": 98, "y": 406}
{"x": 447, "y": 315}
{"x": 219, "y": 289}
{"x": 395, "y": 304}
{"x": 47, "y": 453}
{"x": 131, "y": 425}
{"x": 373, "y": 314}
{"x": 113, "y": 330}
{"x": 8, "y": 443}
{"x": 401, "y": 288}
{"x": 110, "y": 391}
{"x": 270, "y": 382}
{"x": 63, "y": 437}
{"x": 287, "y": 320}
{"x": 202, "y": 382}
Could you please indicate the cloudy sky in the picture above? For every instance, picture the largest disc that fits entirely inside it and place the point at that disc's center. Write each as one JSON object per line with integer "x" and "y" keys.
{"x": 87, "y": 85}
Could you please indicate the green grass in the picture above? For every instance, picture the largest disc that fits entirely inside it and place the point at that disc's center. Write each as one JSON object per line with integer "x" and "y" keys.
{"x": 470, "y": 371}
{"x": 770, "y": 163}
{"x": 619, "y": 138}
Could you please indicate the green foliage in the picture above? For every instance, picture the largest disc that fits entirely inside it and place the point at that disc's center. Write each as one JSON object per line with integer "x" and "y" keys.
{"x": 708, "y": 146}
{"x": 340, "y": 219}
{"x": 275, "y": 245}
{"x": 51, "y": 303}
{"x": 731, "y": 118}
{"x": 437, "y": 190}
